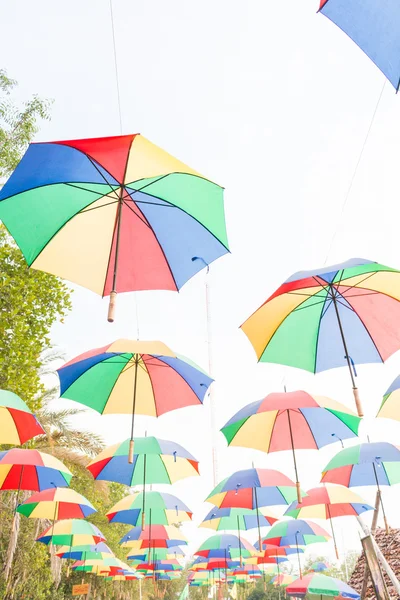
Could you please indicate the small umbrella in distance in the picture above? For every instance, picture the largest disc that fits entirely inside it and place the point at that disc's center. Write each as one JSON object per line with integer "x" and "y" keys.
{"x": 225, "y": 519}
{"x": 328, "y": 502}
{"x": 321, "y": 585}
{"x": 339, "y": 315}
{"x": 133, "y": 377}
{"x": 129, "y": 216}
{"x": 389, "y": 408}
{"x": 226, "y": 546}
{"x": 369, "y": 464}
{"x": 319, "y": 567}
{"x": 253, "y": 489}
{"x": 291, "y": 421}
{"x": 17, "y": 423}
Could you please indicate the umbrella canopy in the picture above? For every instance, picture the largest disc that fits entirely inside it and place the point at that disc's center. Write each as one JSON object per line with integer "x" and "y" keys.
{"x": 297, "y": 532}
{"x": 291, "y": 421}
{"x": 163, "y": 509}
{"x": 321, "y": 585}
{"x": 225, "y": 545}
{"x": 364, "y": 464}
{"x": 87, "y": 551}
{"x": 389, "y": 408}
{"x": 128, "y": 215}
{"x": 222, "y": 519}
{"x": 328, "y": 502}
{"x": 162, "y": 553}
{"x": 367, "y": 23}
{"x": 250, "y": 570}
{"x": 319, "y": 567}
{"x": 282, "y": 579}
{"x": 22, "y": 469}
{"x": 71, "y": 532}
{"x": 153, "y": 536}
{"x": 56, "y": 503}
{"x": 17, "y": 423}
{"x": 338, "y": 315}
{"x": 154, "y": 461}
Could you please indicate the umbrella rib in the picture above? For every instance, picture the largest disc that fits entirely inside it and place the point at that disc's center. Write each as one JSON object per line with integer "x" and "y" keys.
{"x": 136, "y": 215}
{"x": 80, "y": 187}
{"x": 357, "y": 285}
{"x": 98, "y": 170}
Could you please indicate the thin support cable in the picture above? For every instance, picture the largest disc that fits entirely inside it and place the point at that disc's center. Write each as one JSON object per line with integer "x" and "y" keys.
{"x": 354, "y": 174}
{"x": 116, "y": 67}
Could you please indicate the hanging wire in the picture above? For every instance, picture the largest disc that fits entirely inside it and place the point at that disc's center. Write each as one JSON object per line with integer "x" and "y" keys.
{"x": 354, "y": 174}
{"x": 116, "y": 67}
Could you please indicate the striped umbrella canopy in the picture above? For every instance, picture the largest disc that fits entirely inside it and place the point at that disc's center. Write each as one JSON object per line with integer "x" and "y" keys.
{"x": 250, "y": 570}
{"x": 226, "y": 546}
{"x": 211, "y": 563}
{"x": 153, "y": 536}
{"x": 55, "y": 504}
{"x": 270, "y": 551}
{"x": 223, "y": 519}
{"x": 116, "y": 198}
{"x": 162, "y": 553}
{"x": 17, "y": 423}
{"x": 98, "y": 551}
{"x": 154, "y": 461}
{"x": 339, "y": 315}
{"x": 320, "y": 585}
{"x": 163, "y": 509}
{"x": 319, "y": 567}
{"x": 291, "y": 421}
{"x": 158, "y": 566}
{"x": 133, "y": 377}
{"x": 282, "y": 579}
{"x": 389, "y": 408}
{"x": 373, "y": 463}
{"x": 71, "y": 532}
{"x": 32, "y": 470}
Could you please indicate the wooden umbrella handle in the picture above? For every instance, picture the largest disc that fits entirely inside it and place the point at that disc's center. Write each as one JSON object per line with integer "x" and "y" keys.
{"x": 111, "y": 307}
{"x": 299, "y": 497}
{"x": 358, "y": 402}
{"x": 130, "y": 454}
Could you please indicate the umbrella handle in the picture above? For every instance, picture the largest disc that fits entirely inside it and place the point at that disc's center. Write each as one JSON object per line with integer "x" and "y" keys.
{"x": 111, "y": 307}
{"x": 387, "y": 528}
{"x": 14, "y": 522}
{"x": 358, "y": 402}
{"x": 299, "y": 497}
{"x": 130, "y": 454}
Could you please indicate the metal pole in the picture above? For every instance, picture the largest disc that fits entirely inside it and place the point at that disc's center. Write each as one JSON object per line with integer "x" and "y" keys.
{"x": 333, "y": 531}
{"x": 113, "y": 293}
{"x": 294, "y": 460}
{"x": 258, "y": 518}
{"x": 355, "y": 389}
{"x": 380, "y": 498}
{"x": 130, "y": 457}
{"x": 144, "y": 492}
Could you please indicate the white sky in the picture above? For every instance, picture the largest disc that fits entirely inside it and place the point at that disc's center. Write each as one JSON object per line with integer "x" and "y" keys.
{"x": 270, "y": 100}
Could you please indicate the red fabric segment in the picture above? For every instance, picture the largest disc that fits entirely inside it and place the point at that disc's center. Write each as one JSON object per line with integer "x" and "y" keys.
{"x": 380, "y": 315}
{"x": 67, "y": 510}
{"x": 340, "y": 475}
{"x": 141, "y": 262}
{"x": 238, "y": 499}
{"x": 19, "y": 456}
{"x": 28, "y": 481}
{"x": 302, "y": 436}
{"x": 340, "y": 510}
{"x": 286, "y": 400}
{"x": 322, "y": 4}
{"x": 97, "y": 467}
{"x": 109, "y": 152}
{"x": 170, "y": 389}
{"x": 194, "y": 464}
{"x": 270, "y": 550}
{"x": 26, "y": 424}
{"x": 45, "y": 495}
{"x": 315, "y": 496}
{"x": 154, "y": 543}
{"x": 300, "y": 585}
{"x": 299, "y": 284}
{"x": 274, "y": 541}
{"x": 270, "y": 477}
{"x": 87, "y": 354}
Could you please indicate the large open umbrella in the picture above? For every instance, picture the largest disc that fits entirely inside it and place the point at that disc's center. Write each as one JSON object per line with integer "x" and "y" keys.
{"x": 283, "y": 579}
{"x": 113, "y": 214}
{"x": 163, "y": 509}
{"x": 225, "y": 519}
{"x": 153, "y": 536}
{"x": 374, "y": 27}
{"x": 132, "y": 377}
{"x": 17, "y": 423}
{"x": 370, "y": 464}
{"x": 320, "y": 585}
{"x": 253, "y": 488}
{"x": 99, "y": 551}
{"x": 291, "y": 421}
{"x": 56, "y": 504}
{"x": 328, "y": 502}
{"x": 71, "y": 532}
{"x": 226, "y": 546}
{"x": 296, "y": 533}
{"x": 339, "y": 315}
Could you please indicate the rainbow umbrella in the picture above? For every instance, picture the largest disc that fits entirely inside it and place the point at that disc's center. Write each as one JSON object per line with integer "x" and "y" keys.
{"x": 236, "y": 518}
{"x": 71, "y": 532}
{"x": 113, "y": 214}
{"x": 321, "y": 585}
{"x": 162, "y": 553}
{"x": 296, "y": 533}
{"x": 374, "y": 27}
{"x": 344, "y": 314}
{"x": 213, "y": 563}
{"x": 98, "y": 551}
{"x": 389, "y": 408}
{"x": 153, "y": 536}
{"x": 132, "y": 377}
{"x": 163, "y": 509}
{"x": 290, "y": 421}
{"x": 226, "y": 546}
{"x": 17, "y": 423}
{"x": 374, "y": 463}
{"x": 328, "y": 502}
{"x": 56, "y": 504}
{"x": 319, "y": 566}
{"x": 282, "y": 579}
{"x": 32, "y": 470}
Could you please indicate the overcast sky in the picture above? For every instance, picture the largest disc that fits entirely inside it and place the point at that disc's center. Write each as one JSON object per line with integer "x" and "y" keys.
{"x": 273, "y": 102}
